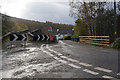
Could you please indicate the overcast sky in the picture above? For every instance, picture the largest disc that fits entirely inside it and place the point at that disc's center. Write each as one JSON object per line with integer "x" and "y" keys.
{"x": 39, "y": 10}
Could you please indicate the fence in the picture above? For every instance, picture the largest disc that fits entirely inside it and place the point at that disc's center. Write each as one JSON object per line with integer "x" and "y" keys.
{"x": 96, "y": 40}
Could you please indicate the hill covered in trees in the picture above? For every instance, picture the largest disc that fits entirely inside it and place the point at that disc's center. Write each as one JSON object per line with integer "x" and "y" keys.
{"x": 12, "y": 24}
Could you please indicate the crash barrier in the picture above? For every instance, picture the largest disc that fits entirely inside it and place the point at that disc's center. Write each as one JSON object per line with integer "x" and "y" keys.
{"x": 6, "y": 35}
{"x": 9, "y": 33}
{"x": 23, "y": 36}
{"x": 96, "y": 40}
{"x": 75, "y": 39}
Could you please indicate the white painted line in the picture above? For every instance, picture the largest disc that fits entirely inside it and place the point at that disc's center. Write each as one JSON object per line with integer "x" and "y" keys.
{"x": 63, "y": 61}
{"x": 91, "y": 72}
{"x": 51, "y": 55}
{"x": 42, "y": 45}
{"x": 75, "y": 66}
{"x": 55, "y": 52}
{"x": 59, "y": 54}
{"x": 63, "y": 57}
{"x": 85, "y": 64}
{"x": 108, "y": 77}
{"x": 46, "y": 51}
{"x": 65, "y": 44}
{"x": 103, "y": 69}
{"x": 57, "y": 58}
{"x": 69, "y": 59}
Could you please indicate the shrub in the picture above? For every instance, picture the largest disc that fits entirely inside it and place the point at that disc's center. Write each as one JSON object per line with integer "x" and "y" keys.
{"x": 116, "y": 43}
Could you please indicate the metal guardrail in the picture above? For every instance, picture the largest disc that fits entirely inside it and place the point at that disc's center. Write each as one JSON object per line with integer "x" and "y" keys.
{"x": 96, "y": 40}
{"x": 6, "y": 35}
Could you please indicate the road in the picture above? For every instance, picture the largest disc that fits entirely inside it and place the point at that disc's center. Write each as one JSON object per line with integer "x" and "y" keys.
{"x": 65, "y": 59}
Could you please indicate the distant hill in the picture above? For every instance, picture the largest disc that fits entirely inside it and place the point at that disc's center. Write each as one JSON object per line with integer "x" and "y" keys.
{"x": 12, "y": 24}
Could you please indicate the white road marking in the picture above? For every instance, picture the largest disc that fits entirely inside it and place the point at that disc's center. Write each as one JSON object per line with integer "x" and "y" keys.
{"x": 42, "y": 45}
{"x": 91, "y": 72}
{"x": 46, "y": 51}
{"x": 70, "y": 59}
{"x": 85, "y": 64}
{"x": 56, "y": 58}
{"x": 51, "y": 55}
{"x": 63, "y": 61}
{"x": 59, "y": 54}
{"x": 65, "y": 44}
{"x": 75, "y": 66}
{"x": 103, "y": 69}
{"x": 108, "y": 77}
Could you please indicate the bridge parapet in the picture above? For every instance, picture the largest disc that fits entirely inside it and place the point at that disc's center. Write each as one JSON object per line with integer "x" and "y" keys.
{"x": 96, "y": 40}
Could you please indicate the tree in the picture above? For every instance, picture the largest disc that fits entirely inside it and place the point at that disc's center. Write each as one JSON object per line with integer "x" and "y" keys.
{"x": 80, "y": 28}
{"x": 87, "y": 12}
{"x": 99, "y": 17}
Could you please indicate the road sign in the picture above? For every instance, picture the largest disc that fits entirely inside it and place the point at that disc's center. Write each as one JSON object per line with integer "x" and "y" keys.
{"x": 40, "y": 37}
{"x": 48, "y": 37}
{"x": 43, "y": 37}
{"x": 15, "y": 37}
{"x": 51, "y": 38}
{"x": 50, "y": 28}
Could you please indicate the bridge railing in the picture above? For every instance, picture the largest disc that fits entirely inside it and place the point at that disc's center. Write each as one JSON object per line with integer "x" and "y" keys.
{"x": 96, "y": 40}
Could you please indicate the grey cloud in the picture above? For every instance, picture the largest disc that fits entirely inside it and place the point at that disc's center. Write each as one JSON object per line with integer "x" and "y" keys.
{"x": 43, "y": 11}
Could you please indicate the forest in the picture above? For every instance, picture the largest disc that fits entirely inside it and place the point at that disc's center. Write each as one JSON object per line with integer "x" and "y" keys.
{"x": 96, "y": 18}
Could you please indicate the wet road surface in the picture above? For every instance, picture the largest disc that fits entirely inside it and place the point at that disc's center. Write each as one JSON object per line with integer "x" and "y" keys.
{"x": 65, "y": 59}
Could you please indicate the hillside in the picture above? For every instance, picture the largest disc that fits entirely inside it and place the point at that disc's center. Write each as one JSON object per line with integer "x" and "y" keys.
{"x": 12, "y": 24}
